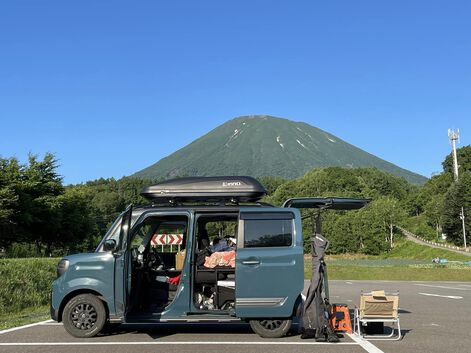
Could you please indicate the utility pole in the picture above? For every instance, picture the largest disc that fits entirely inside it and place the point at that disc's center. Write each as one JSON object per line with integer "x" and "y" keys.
{"x": 453, "y": 137}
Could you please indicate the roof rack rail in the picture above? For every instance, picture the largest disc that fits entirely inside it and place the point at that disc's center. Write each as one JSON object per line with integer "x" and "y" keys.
{"x": 188, "y": 204}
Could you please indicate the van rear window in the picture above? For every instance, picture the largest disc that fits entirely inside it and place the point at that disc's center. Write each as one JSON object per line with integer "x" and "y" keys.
{"x": 268, "y": 232}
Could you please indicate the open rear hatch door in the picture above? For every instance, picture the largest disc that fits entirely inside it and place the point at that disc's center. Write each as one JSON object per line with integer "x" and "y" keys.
{"x": 324, "y": 203}
{"x": 316, "y": 304}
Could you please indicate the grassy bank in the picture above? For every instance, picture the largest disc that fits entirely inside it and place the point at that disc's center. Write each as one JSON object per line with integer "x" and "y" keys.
{"x": 405, "y": 249}
{"x": 25, "y": 289}
{"x": 407, "y": 261}
{"x": 398, "y": 273}
{"x": 401, "y": 271}
{"x": 25, "y": 316}
{"x": 372, "y": 270}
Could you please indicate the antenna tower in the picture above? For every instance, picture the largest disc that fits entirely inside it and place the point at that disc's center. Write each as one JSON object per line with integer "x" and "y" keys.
{"x": 453, "y": 137}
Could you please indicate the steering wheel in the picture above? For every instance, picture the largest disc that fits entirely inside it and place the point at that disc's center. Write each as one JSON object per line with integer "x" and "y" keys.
{"x": 154, "y": 261}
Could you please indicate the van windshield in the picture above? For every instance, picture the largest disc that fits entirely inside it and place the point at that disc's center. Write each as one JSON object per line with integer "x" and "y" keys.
{"x": 114, "y": 230}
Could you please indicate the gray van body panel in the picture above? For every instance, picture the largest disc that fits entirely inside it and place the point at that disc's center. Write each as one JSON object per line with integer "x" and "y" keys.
{"x": 270, "y": 290}
{"x": 86, "y": 272}
{"x": 269, "y": 279}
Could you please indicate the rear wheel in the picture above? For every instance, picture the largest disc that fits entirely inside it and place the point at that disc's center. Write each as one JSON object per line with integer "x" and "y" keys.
{"x": 271, "y": 328}
{"x": 84, "y": 316}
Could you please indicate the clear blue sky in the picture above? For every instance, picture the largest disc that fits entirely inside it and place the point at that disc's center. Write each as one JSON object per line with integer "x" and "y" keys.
{"x": 111, "y": 87}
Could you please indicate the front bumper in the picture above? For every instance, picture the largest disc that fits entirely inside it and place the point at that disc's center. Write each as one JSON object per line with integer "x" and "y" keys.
{"x": 54, "y": 313}
{"x": 54, "y": 304}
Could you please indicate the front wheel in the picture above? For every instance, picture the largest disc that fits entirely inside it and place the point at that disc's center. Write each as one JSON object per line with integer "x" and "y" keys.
{"x": 271, "y": 328}
{"x": 84, "y": 316}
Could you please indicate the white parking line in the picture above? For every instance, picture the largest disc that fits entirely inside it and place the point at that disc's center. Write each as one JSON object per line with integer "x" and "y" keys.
{"x": 442, "y": 296}
{"x": 176, "y": 343}
{"x": 366, "y": 345}
{"x": 24, "y": 326}
{"x": 444, "y": 287}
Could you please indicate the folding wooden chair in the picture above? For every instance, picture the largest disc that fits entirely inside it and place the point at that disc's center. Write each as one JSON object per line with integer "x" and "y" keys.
{"x": 377, "y": 307}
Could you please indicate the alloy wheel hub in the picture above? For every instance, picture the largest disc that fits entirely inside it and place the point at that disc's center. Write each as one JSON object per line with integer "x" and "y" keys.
{"x": 84, "y": 316}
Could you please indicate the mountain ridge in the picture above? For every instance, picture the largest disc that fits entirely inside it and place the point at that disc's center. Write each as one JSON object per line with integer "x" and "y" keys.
{"x": 260, "y": 145}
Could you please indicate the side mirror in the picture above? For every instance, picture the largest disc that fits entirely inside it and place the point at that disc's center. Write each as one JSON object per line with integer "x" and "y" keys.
{"x": 109, "y": 245}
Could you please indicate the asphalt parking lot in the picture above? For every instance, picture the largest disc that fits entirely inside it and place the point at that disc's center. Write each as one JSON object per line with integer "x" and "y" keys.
{"x": 435, "y": 317}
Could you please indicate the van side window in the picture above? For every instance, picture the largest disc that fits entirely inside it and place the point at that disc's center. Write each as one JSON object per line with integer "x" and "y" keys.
{"x": 268, "y": 232}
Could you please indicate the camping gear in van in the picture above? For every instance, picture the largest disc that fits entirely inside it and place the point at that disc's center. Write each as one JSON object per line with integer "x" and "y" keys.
{"x": 179, "y": 259}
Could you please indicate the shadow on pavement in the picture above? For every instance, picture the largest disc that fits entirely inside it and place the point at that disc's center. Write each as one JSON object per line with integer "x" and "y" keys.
{"x": 163, "y": 330}
{"x": 156, "y": 331}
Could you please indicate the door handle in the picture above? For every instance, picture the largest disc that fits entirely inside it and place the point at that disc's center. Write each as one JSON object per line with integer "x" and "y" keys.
{"x": 251, "y": 262}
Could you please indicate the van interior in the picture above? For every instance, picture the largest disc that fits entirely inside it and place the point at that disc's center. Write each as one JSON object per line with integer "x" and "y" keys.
{"x": 214, "y": 262}
{"x": 157, "y": 260}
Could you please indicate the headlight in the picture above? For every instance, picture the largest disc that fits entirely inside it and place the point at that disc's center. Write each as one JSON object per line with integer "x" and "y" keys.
{"x": 62, "y": 266}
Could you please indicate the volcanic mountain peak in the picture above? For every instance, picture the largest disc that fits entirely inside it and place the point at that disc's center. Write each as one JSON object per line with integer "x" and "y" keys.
{"x": 259, "y": 145}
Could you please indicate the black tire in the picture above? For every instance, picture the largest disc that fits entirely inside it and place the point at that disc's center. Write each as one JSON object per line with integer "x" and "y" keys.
{"x": 271, "y": 328}
{"x": 84, "y": 316}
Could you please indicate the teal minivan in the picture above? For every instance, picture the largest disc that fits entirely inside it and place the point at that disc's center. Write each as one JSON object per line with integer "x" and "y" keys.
{"x": 204, "y": 250}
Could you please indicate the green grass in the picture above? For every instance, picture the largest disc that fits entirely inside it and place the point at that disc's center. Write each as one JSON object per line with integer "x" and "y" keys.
{"x": 398, "y": 273}
{"x": 405, "y": 249}
{"x": 25, "y": 289}
{"x": 362, "y": 271}
{"x": 408, "y": 261}
{"x": 23, "y": 317}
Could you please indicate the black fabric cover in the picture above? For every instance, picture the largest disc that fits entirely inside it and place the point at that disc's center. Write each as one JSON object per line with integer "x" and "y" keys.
{"x": 314, "y": 311}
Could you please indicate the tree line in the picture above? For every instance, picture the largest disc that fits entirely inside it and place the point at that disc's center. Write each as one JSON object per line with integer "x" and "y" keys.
{"x": 431, "y": 210}
{"x": 40, "y": 216}
{"x": 369, "y": 230}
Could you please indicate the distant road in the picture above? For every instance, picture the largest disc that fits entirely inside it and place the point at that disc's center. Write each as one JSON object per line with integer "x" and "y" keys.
{"x": 412, "y": 237}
